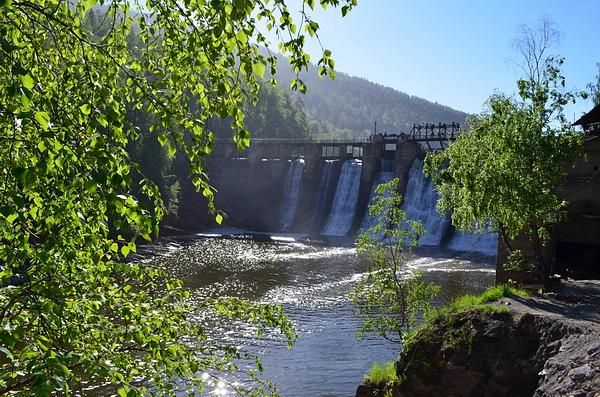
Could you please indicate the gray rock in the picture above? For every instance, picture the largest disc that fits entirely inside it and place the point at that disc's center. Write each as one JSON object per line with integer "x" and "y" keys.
{"x": 580, "y": 373}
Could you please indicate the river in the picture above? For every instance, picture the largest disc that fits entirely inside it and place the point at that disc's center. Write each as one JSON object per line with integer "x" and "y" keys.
{"x": 311, "y": 281}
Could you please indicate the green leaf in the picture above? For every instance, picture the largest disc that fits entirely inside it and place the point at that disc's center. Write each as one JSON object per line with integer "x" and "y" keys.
{"x": 88, "y": 4}
{"x": 91, "y": 186}
{"x": 171, "y": 150}
{"x": 242, "y": 37}
{"x": 259, "y": 69}
{"x": 242, "y": 138}
{"x": 85, "y": 109}
{"x": 11, "y": 218}
{"x": 302, "y": 87}
{"x": 101, "y": 119}
{"x": 25, "y": 101}
{"x": 5, "y": 275}
{"x": 27, "y": 81}
{"x": 162, "y": 139}
{"x": 219, "y": 218}
{"x": 43, "y": 119}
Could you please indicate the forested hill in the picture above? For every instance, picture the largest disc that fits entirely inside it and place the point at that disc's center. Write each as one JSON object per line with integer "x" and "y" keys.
{"x": 348, "y": 106}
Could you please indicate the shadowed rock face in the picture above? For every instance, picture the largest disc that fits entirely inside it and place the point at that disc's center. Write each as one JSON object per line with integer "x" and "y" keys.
{"x": 530, "y": 352}
{"x": 476, "y": 354}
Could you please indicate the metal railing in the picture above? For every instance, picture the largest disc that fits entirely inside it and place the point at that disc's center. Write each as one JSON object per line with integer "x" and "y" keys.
{"x": 440, "y": 133}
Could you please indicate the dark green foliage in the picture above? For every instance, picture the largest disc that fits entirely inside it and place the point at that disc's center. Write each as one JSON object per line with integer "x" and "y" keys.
{"x": 152, "y": 161}
{"x": 275, "y": 114}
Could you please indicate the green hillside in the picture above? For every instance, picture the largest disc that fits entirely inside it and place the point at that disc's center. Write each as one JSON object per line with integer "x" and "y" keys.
{"x": 348, "y": 106}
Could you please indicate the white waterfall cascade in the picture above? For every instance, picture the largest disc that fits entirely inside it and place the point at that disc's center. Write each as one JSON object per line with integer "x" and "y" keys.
{"x": 481, "y": 243}
{"x": 419, "y": 204}
{"x": 381, "y": 177}
{"x": 291, "y": 194}
{"x": 341, "y": 215}
{"x": 322, "y": 193}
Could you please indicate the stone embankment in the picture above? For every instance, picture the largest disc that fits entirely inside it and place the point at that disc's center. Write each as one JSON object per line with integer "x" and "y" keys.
{"x": 545, "y": 347}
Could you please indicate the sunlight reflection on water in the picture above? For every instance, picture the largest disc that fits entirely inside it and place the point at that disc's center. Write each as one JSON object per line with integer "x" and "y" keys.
{"x": 312, "y": 283}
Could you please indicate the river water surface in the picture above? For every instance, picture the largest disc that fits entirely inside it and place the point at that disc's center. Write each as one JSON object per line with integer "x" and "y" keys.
{"x": 311, "y": 281}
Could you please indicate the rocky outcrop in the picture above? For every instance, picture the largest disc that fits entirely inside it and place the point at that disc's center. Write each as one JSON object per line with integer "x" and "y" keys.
{"x": 575, "y": 370}
{"x": 529, "y": 352}
{"x": 491, "y": 354}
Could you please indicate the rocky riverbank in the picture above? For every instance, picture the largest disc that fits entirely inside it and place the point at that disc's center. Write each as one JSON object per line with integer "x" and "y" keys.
{"x": 544, "y": 346}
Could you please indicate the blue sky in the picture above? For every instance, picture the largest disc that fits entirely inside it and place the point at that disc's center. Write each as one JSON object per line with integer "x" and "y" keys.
{"x": 456, "y": 53}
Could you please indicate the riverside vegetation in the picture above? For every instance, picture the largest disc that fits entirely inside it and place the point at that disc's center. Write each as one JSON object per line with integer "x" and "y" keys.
{"x": 389, "y": 299}
{"x": 73, "y": 200}
{"x": 502, "y": 173}
{"x": 383, "y": 378}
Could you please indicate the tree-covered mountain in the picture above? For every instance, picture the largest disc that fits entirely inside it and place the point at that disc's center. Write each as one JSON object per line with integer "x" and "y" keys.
{"x": 349, "y": 106}
{"x": 276, "y": 114}
{"x": 346, "y": 107}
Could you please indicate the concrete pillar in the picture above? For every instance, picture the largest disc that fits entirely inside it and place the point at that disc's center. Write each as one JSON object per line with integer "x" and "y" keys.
{"x": 371, "y": 165}
{"x": 406, "y": 152}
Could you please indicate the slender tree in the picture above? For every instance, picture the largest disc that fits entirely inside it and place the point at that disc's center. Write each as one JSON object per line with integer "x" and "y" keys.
{"x": 502, "y": 172}
{"x": 390, "y": 297}
{"x": 595, "y": 88}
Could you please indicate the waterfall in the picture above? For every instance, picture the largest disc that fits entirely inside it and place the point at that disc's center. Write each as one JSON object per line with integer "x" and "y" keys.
{"x": 291, "y": 194}
{"x": 345, "y": 200}
{"x": 382, "y": 177}
{"x": 320, "y": 203}
{"x": 419, "y": 204}
{"x": 481, "y": 243}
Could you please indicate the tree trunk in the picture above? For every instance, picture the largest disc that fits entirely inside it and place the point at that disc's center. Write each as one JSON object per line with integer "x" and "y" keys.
{"x": 504, "y": 238}
{"x": 540, "y": 263}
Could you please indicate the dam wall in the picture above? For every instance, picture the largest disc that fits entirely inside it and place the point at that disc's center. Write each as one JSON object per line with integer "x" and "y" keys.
{"x": 250, "y": 184}
{"x": 319, "y": 189}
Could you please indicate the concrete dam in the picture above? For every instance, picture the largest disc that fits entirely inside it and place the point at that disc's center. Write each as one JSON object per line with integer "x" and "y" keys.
{"x": 323, "y": 189}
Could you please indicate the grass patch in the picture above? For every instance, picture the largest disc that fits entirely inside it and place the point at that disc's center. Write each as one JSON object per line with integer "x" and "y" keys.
{"x": 502, "y": 291}
{"x": 465, "y": 303}
{"x": 382, "y": 374}
{"x": 480, "y": 302}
